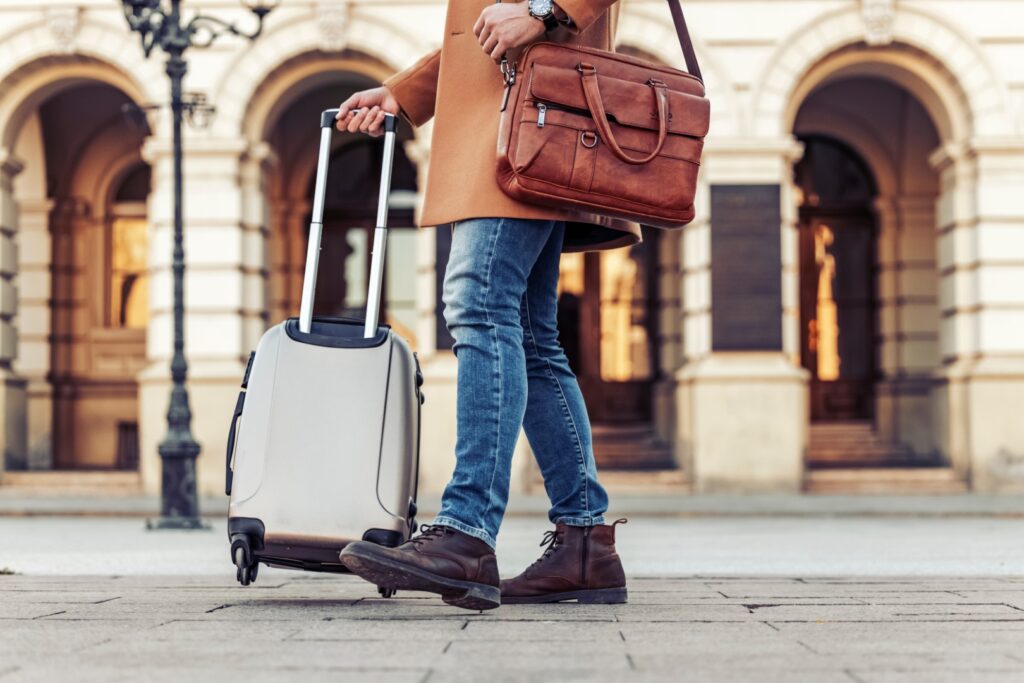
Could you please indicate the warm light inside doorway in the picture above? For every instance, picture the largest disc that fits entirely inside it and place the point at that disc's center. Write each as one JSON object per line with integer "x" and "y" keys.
{"x": 625, "y": 346}
{"x": 129, "y": 281}
{"x": 824, "y": 330}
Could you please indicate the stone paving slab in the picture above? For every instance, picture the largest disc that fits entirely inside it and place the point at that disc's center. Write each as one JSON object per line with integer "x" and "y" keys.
{"x": 843, "y": 629}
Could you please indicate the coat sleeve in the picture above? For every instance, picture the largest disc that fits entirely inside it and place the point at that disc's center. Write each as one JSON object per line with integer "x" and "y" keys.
{"x": 584, "y": 12}
{"x": 416, "y": 88}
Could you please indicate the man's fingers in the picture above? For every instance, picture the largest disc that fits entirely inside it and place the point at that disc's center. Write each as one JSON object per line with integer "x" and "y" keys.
{"x": 479, "y": 25}
{"x": 356, "y": 121}
{"x": 348, "y": 105}
{"x": 343, "y": 122}
{"x": 370, "y": 118}
{"x": 485, "y": 34}
{"x": 364, "y": 120}
{"x": 489, "y": 45}
{"x": 375, "y": 128}
{"x": 497, "y": 52}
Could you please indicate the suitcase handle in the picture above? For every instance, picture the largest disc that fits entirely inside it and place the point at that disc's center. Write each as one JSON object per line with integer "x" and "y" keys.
{"x": 316, "y": 227}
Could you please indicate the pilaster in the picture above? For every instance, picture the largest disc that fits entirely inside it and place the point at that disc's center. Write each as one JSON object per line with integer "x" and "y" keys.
{"x": 225, "y": 294}
{"x": 12, "y": 386}
{"x": 981, "y": 267}
{"x": 742, "y": 408}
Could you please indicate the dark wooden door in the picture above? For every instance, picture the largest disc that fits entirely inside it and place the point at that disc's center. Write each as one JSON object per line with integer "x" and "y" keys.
{"x": 607, "y": 326}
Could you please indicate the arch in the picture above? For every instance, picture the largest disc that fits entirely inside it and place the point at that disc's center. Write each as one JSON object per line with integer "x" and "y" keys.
{"x": 296, "y": 77}
{"x": 817, "y": 51}
{"x": 114, "y": 169}
{"x": 651, "y": 33}
{"x": 255, "y": 66}
{"x": 862, "y": 139}
{"x": 30, "y": 72}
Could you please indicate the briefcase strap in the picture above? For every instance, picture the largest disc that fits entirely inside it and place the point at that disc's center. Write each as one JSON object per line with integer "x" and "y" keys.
{"x": 684, "y": 39}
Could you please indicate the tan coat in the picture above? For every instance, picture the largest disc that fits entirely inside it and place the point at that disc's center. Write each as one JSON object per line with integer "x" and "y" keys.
{"x": 462, "y": 89}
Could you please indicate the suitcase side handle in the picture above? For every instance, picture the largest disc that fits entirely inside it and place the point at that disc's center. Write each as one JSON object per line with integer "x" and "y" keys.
{"x": 316, "y": 228}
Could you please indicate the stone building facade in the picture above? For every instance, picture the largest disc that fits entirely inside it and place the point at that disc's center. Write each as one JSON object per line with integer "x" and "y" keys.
{"x": 848, "y": 306}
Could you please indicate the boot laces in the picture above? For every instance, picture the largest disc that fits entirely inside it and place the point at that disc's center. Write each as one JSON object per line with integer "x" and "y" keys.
{"x": 553, "y": 540}
{"x": 430, "y": 532}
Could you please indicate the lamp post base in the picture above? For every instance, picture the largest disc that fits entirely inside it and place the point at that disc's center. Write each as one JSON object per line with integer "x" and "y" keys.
{"x": 179, "y": 504}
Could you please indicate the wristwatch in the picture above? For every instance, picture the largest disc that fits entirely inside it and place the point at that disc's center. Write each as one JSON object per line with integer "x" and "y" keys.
{"x": 544, "y": 10}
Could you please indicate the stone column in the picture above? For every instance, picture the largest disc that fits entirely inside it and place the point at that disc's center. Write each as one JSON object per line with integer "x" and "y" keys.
{"x": 668, "y": 345}
{"x": 35, "y": 329}
{"x": 981, "y": 267}
{"x": 225, "y": 295}
{"x": 12, "y": 386}
{"x": 742, "y": 402}
{"x": 908, "y": 322}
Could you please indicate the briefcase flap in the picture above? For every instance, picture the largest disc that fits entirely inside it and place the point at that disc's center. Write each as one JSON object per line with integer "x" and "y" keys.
{"x": 689, "y": 114}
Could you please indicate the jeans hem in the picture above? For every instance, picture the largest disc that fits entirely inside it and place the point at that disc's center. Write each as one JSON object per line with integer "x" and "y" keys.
{"x": 466, "y": 529}
{"x": 592, "y": 520}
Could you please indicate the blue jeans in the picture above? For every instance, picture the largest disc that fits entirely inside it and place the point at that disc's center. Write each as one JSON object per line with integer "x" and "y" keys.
{"x": 501, "y": 300}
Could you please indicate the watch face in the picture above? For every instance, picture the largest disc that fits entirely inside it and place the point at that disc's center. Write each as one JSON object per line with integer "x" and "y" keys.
{"x": 541, "y": 8}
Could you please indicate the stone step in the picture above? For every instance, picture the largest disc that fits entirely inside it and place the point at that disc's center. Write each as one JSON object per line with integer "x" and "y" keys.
{"x": 667, "y": 481}
{"x": 885, "y": 480}
{"x": 72, "y": 482}
{"x": 631, "y": 447}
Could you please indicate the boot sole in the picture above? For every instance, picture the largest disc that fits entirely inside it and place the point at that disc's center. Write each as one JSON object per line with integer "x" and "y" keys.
{"x": 383, "y": 571}
{"x": 593, "y": 596}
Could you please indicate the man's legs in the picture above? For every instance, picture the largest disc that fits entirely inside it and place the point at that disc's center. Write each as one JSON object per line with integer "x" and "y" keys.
{"x": 490, "y": 262}
{"x": 556, "y": 420}
{"x": 488, "y": 270}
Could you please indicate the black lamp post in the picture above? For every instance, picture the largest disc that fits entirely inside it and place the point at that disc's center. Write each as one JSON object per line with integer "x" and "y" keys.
{"x": 163, "y": 27}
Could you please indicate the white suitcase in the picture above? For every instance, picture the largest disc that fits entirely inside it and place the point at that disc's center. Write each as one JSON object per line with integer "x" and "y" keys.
{"x": 324, "y": 442}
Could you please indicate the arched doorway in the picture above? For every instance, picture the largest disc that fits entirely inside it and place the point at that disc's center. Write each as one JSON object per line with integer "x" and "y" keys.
{"x": 869, "y": 320}
{"x": 82, "y": 325}
{"x": 837, "y": 280}
{"x": 349, "y": 209}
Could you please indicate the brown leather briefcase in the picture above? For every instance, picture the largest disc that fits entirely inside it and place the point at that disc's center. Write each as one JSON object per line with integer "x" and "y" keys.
{"x": 605, "y": 133}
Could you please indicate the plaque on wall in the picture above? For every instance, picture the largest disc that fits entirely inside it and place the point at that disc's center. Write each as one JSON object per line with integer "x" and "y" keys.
{"x": 746, "y": 268}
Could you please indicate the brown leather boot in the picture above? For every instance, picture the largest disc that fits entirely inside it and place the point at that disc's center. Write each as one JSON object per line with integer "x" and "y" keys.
{"x": 579, "y": 563}
{"x": 460, "y": 568}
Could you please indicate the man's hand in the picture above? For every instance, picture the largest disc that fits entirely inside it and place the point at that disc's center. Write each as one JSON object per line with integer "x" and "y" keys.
{"x": 505, "y": 26}
{"x": 364, "y": 111}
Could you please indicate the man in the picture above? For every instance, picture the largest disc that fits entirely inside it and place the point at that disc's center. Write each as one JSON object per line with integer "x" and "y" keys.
{"x": 500, "y": 296}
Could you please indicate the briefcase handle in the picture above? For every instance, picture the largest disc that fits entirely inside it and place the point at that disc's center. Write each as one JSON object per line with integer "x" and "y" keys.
{"x": 316, "y": 226}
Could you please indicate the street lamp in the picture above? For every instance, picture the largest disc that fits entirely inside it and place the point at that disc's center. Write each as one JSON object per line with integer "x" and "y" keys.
{"x": 160, "y": 24}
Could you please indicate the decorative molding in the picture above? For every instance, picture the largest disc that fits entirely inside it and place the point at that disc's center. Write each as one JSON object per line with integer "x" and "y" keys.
{"x": 63, "y": 23}
{"x": 332, "y": 22}
{"x": 878, "y": 16}
{"x": 10, "y": 166}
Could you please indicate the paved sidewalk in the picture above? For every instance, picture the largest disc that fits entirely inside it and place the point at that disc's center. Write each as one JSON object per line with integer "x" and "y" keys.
{"x": 712, "y": 598}
{"x": 306, "y": 627}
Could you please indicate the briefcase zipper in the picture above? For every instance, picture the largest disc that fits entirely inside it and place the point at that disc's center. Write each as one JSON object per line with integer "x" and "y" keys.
{"x": 542, "y": 109}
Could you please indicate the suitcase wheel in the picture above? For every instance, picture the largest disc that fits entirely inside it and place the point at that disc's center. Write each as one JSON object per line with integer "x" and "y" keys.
{"x": 386, "y": 592}
{"x": 246, "y": 565}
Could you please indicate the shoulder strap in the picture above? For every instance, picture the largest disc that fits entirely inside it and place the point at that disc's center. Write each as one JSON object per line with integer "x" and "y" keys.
{"x": 684, "y": 39}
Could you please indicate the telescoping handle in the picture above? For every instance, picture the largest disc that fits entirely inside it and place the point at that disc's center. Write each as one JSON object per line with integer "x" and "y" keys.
{"x": 316, "y": 226}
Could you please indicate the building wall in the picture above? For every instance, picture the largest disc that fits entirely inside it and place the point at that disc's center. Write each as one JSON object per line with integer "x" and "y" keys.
{"x": 736, "y": 420}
